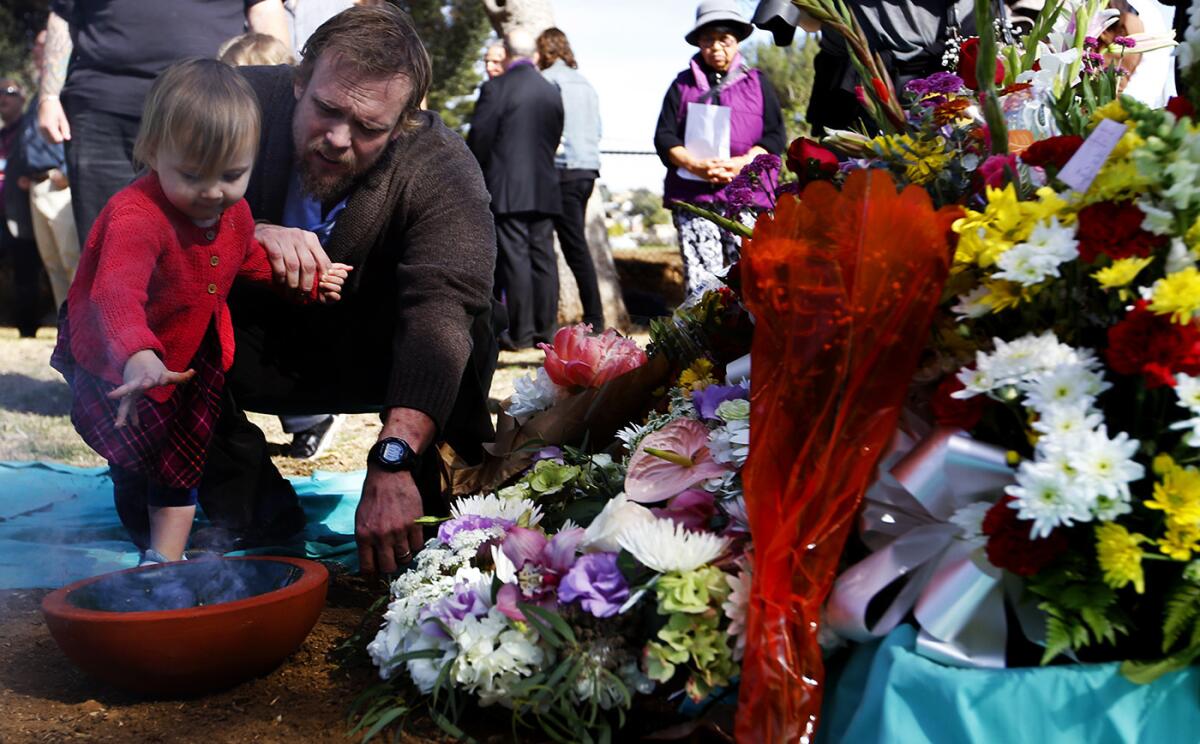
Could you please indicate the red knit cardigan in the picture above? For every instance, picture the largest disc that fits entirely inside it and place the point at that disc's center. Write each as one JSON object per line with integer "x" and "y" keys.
{"x": 149, "y": 278}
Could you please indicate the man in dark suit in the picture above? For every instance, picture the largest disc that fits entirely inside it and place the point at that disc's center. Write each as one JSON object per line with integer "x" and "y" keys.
{"x": 514, "y": 133}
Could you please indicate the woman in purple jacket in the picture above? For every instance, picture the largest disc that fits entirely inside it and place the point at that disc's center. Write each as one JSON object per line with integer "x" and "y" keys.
{"x": 717, "y": 76}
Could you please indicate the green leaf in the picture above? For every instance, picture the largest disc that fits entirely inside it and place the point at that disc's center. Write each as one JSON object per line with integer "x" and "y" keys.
{"x": 431, "y": 520}
{"x": 445, "y": 724}
{"x": 553, "y": 618}
{"x": 383, "y": 722}
{"x": 1182, "y": 607}
{"x": 539, "y": 623}
{"x": 1145, "y": 672}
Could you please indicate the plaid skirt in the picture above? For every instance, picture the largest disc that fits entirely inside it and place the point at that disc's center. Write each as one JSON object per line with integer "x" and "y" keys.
{"x": 169, "y": 445}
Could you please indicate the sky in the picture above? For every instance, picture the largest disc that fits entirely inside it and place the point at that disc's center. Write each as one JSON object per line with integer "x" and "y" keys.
{"x": 630, "y": 51}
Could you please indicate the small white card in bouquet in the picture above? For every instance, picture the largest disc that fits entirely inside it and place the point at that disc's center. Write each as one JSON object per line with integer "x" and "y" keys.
{"x": 706, "y": 135}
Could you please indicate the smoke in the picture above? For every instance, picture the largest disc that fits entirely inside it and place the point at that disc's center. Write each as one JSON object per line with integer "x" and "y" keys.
{"x": 177, "y": 586}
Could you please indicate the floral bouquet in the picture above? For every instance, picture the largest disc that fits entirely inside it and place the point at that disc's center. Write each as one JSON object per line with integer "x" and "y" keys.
{"x": 589, "y": 582}
{"x": 1071, "y": 337}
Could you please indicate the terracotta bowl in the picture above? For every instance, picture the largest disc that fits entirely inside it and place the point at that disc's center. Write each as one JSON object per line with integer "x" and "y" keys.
{"x": 187, "y": 628}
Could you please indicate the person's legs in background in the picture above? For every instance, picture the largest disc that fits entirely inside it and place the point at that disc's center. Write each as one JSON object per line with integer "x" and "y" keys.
{"x": 572, "y": 238}
{"x": 311, "y": 435}
{"x": 99, "y": 161}
{"x": 513, "y": 280}
{"x": 54, "y": 232}
{"x": 543, "y": 271}
{"x": 703, "y": 250}
{"x": 27, "y": 280}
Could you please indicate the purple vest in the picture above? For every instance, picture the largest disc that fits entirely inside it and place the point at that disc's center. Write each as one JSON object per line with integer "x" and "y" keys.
{"x": 744, "y": 96}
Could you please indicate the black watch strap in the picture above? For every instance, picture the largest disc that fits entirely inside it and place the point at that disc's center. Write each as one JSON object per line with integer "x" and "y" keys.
{"x": 392, "y": 453}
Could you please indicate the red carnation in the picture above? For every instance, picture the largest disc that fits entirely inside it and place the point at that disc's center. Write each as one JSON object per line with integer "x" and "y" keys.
{"x": 1147, "y": 344}
{"x": 1055, "y": 151}
{"x": 1115, "y": 230}
{"x": 968, "y": 63}
{"x": 1009, "y": 545}
{"x": 809, "y": 161}
{"x": 1181, "y": 107}
{"x": 950, "y": 411}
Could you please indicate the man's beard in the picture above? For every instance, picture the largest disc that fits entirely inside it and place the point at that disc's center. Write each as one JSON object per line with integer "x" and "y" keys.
{"x": 327, "y": 188}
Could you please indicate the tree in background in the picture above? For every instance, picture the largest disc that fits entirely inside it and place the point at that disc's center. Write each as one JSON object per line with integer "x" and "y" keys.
{"x": 649, "y": 205}
{"x": 20, "y": 20}
{"x": 454, "y": 32}
{"x": 790, "y": 70}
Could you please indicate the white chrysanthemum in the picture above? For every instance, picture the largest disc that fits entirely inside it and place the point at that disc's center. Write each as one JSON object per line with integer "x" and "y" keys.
{"x": 1188, "y": 390}
{"x": 1067, "y": 420}
{"x": 972, "y": 305}
{"x": 1066, "y": 385}
{"x": 1049, "y": 246}
{"x": 491, "y": 505}
{"x": 1192, "y": 439}
{"x": 730, "y": 444}
{"x": 631, "y": 435}
{"x": 1021, "y": 360}
{"x": 532, "y": 394}
{"x": 736, "y": 605}
{"x": 665, "y": 546}
{"x": 1043, "y": 496}
{"x": 1107, "y": 465}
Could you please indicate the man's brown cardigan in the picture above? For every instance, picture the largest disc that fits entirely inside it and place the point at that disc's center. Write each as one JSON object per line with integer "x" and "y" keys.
{"x": 415, "y": 324}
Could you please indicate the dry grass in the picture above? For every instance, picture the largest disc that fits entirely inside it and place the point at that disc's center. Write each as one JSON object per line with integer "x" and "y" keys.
{"x": 35, "y": 401}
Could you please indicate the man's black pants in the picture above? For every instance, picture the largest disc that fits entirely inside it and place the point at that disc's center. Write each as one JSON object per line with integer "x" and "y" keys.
{"x": 527, "y": 277}
{"x": 99, "y": 161}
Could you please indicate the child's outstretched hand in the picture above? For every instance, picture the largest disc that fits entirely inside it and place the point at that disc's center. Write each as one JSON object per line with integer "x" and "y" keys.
{"x": 332, "y": 282}
{"x": 143, "y": 370}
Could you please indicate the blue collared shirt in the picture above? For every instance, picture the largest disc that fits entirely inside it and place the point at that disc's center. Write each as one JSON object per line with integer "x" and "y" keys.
{"x": 302, "y": 211}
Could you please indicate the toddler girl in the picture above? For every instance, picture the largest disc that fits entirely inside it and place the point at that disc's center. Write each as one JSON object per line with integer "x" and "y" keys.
{"x": 145, "y": 337}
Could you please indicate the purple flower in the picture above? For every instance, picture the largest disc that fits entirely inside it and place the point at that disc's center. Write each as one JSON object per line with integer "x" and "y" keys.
{"x": 469, "y": 522}
{"x": 462, "y": 601}
{"x": 738, "y": 197}
{"x": 1091, "y": 41}
{"x": 918, "y": 87}
{"x": 539, "y": 565}
{"x": 597, "y": 583}
{"x": 944, "y": 82}
{"x": 707, "y": 400}
{"x": 764, "y": 163}
{"x": 1125, "y": 41}
{"x": 549, "y": 453}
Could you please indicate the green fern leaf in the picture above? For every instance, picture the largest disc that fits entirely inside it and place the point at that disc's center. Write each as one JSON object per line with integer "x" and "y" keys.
{"x": 1182, "y": 607}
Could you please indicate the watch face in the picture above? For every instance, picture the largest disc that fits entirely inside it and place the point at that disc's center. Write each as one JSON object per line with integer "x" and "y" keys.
{"x": 392, "y": 452}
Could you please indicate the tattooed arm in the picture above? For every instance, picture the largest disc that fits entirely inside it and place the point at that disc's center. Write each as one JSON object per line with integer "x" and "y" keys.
{"x": 52, "y": 120}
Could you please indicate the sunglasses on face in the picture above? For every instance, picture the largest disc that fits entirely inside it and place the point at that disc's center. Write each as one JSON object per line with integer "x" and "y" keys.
{"x": 11, "y": 90}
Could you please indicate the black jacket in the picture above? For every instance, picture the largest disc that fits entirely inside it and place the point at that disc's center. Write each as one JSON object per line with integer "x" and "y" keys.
{"x": 515, "y": 130}
{"x": 414, "y": 328}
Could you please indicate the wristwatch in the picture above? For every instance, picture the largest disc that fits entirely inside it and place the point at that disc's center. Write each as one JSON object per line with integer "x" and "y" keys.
{"x": 392, "y": 453}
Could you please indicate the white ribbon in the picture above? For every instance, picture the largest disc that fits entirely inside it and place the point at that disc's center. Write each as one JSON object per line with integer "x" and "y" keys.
{"x": 956, "y": 596}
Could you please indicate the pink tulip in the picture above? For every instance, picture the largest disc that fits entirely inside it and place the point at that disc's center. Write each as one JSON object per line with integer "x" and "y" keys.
{"x": 669, "y": 461}
{"x": 579, "y": 359}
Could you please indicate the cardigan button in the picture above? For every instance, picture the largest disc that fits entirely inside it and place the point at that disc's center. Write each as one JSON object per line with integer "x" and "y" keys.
{"x": 214, "y": 260}
{"x": 210, "y": 234}
{"x": 212, "y": 289}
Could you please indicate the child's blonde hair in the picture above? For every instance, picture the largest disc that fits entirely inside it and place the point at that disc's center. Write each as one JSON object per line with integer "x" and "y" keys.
{"x": 205, "y": 110}
{"x": 255, "y": 49}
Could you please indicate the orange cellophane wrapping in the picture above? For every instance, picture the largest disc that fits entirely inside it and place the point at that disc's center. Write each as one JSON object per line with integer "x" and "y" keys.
{"x": 843, "y": 286}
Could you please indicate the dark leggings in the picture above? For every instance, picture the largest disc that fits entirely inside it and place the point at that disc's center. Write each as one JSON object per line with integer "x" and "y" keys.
{"x": 134, "y": 494}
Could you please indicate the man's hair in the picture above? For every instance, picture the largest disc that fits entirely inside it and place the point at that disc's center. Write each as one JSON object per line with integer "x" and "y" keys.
{"x": 519, "y": 43}
{"x": 377, "y": 41}
{"x": 552, "y": 45}
{"x": 255, "y": 49}
{"x": 203, "y": 109}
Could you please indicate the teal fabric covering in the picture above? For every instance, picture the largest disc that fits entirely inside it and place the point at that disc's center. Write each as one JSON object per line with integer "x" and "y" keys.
{"x": 887, "y": 693}
{"x": 58, "y": 524}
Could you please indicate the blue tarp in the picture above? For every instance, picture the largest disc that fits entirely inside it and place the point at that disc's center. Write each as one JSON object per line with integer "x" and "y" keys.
{"x": 58, "y": 524}
{"x": 887, "y": 693}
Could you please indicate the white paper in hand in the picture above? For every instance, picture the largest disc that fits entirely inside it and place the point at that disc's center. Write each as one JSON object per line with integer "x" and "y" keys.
{"x": 707, "y": 134}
